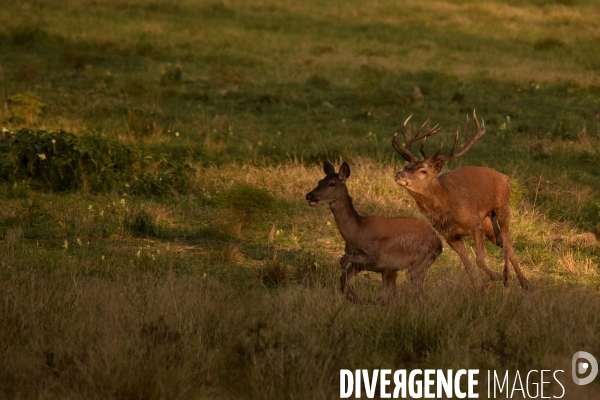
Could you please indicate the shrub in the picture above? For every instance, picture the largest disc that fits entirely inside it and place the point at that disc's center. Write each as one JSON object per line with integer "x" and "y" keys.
{"x": 28, "y": 35}
{"x": 318, "y": 82}
{"x": 250, "y": 203}
{"x": 171, "y": 74}
{"x": 274, "y": 273}
{"x": 26, "y": 107}
{"x": 61, "y": 161}
{"x": 141, "y": 224}
{"x": 516, "y": 192}
{"x": 139, "y": 125}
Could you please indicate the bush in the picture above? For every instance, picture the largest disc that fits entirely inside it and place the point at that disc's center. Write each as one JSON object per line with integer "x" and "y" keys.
{"x": 61, "y": 161}
{"x": 26, "y": 107}
{"x": 250, "y": 203}
{"x": 141, "y": 224}
{"x": 171, "y": 74}
{"x": 139, "y": 125}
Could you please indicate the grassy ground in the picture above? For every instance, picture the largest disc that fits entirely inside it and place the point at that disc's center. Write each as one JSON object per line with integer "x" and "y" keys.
{"x": 227, "y": 287}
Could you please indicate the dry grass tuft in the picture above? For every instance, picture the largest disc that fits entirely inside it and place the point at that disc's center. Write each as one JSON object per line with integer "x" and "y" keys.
{"x": 274, "y": 272}
{"x": 229, "y": 254}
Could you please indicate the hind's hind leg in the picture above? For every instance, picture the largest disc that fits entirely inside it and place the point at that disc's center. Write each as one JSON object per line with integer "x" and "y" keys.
{"x": 388, "y": 283}
{"x": 416, "y": 275}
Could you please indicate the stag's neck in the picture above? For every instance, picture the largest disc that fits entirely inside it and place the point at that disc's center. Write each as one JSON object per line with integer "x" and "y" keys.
{"x": 346, "y": 217}
{"x": 433, "y": 202}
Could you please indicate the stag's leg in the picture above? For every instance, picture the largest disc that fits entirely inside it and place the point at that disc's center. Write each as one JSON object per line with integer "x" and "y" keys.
{"x": 459, "y": 247}
{"x": 522, "y": 280}
{"x": 490, "y": 231}
{"x": 509, "y": 254}
{"x": 479, "y": 239}
{"x": 388, "y": 283}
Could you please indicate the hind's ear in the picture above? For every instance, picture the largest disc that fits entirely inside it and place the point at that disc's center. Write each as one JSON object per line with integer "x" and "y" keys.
{"x": 328, "y": 168}
{"x": 344, "y": 171}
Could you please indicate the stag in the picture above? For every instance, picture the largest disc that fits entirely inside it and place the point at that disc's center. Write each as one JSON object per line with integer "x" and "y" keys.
{"x": 378, "y": 244}
{"x": 467, "y": 201}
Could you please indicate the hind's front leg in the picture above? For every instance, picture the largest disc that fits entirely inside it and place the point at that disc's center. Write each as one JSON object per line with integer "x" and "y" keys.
{"x": 347, "y": 275}
{"x": 351, "y": 264}
{"x": 356, "y": 258}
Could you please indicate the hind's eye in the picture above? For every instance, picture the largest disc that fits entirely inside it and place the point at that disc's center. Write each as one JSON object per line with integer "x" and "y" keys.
{"x": 331, "y": 184}
{"x": 423, "y": 171}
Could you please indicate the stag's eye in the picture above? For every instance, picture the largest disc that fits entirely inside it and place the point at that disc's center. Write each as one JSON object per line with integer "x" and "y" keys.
{"x": 331, "y": 184}
{"x": 423, "y": 171}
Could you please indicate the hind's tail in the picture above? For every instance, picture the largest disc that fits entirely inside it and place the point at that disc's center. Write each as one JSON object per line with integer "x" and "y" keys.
{"x": 497, "y": 230}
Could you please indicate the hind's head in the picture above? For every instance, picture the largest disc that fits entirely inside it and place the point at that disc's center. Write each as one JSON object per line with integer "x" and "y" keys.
{"x": 331, "y": 187}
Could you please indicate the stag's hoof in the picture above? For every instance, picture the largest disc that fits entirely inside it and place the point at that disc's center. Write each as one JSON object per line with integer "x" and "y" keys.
{"x": 525, "y": 283}
{"x": 495, "y": 276}
{"x": 384, "y": 302}
{"x": 476, "y": 280}
{"x": 478, "y": 286}
{"x": 350, "y": 296}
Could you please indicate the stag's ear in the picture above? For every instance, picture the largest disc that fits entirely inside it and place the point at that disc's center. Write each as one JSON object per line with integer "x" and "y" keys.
{"x": 436, "y": 167}
{"x": 328, "y": 168}
{"x": 344, "y": 171}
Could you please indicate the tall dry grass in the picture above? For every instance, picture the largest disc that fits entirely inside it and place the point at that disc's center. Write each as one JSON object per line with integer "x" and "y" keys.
{"x": 67, "y": 335}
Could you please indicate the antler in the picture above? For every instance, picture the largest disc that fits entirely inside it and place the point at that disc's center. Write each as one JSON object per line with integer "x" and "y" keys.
{"x": 410, "y": 157}
{"x": 470, "y": 143}
{"x": 408, "y": 141}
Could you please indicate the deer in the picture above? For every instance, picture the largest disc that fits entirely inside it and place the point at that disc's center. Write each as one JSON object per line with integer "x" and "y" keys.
{"x": 375, "y": 243}
{"x": 467, "y": 201}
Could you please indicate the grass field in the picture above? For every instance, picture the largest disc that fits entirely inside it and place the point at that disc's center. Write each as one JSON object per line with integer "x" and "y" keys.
{"x": 222, "y": 282}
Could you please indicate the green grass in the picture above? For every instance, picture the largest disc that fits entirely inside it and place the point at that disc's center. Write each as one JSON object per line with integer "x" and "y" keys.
{"x": 227, "y": 287}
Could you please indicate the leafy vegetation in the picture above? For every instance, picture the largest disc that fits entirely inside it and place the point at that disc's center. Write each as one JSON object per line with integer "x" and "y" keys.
{"x": 62, "y": 161}
{"x": 154, "y": 238}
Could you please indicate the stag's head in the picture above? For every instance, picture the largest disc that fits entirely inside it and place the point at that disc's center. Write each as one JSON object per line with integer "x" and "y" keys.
{"x": 417, "y": 174}
{"x": 331, "y": 187}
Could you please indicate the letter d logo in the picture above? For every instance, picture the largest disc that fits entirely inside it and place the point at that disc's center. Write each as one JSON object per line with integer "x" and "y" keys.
{"x": 582, "y": 367}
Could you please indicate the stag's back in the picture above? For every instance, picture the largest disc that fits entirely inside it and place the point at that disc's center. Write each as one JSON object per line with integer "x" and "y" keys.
{"x": 471, "y": 194}
{"x": 482, "y": 187}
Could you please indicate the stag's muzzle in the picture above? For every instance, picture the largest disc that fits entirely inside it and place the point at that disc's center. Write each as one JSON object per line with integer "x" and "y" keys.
{"x": 401, "y": 178}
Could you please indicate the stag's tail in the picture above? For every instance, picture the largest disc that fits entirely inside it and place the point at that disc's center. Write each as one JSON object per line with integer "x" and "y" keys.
{"x": 497, "y": 230}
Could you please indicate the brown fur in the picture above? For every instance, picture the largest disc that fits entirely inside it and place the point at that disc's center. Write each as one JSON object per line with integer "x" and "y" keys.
{"x": 379, "y": 244}
{"x": 463, "y": 202}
